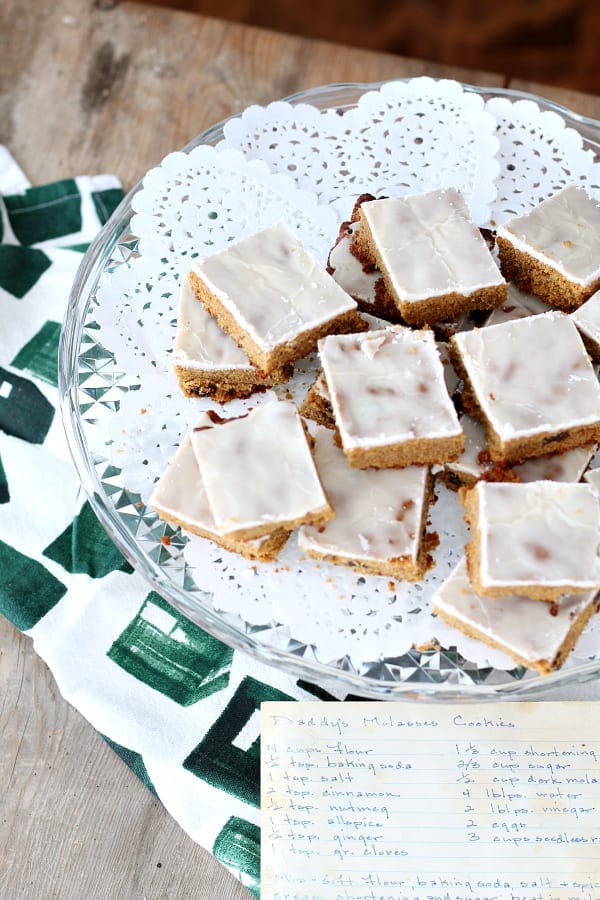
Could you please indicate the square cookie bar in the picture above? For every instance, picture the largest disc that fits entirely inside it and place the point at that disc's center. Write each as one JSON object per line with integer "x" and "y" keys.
{"x": 540, "y": 539}
{"x": 273, "y": 298}
{"x": 587, "y": 321}
{"x": 389, "y": 398}
{"x": 533, "y": 385}
{"x": 432, "y": 256}
{"x": 207, "y": 361}
{"x": 180, "y": 499}
{"x": 537, "y": 635}
{"x": 317, "y": 403}
{"x": 380, "y": 515}
{"x": 553, "y": 251}
{"x": 258, "y": 472}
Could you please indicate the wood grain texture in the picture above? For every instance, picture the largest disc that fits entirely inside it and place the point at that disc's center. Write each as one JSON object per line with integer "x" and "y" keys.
{"x": 102, "y": 86}
{"x": 584, "y": 104}
{"x": 553, "y": 41}
{"x": 117, "y": 88}
{"x": 74, "y": 820}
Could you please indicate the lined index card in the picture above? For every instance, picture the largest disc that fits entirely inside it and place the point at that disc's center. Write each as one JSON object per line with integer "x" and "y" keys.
{"x": 389, "y": 801}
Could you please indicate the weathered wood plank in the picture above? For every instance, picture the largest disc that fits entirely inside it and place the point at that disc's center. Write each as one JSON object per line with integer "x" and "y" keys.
{"x": 585, "y": 104}
{"x": 93, "y": 86}
{"x": 74, "y": 821}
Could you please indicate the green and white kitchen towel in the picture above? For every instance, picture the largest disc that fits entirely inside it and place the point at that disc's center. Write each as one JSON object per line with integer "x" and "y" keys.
{"x": 179, "y": 706}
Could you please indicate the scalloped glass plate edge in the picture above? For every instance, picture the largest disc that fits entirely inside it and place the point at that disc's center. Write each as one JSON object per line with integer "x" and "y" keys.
{"x": 432, "y": 675}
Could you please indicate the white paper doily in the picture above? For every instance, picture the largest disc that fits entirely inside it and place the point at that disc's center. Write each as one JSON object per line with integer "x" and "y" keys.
{"x": 195, "y": 203}
{"x": 538, "y": 155}
{"x": 405, "y": 137}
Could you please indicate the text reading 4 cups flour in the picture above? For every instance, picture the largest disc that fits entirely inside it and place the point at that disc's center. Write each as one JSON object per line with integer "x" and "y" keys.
{"x": 376, "y": 801}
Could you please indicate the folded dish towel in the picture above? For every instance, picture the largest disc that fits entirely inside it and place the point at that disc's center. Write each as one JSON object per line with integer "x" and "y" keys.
{"x": 179, "y": 706}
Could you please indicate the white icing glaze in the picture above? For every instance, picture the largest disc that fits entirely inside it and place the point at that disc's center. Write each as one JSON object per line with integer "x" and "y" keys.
{"x": 430, "y": 246}
{"x": 377, "y": 511}
{"x": 592, "y": 476}
{"x": 258, "y": 470}
{"x": 387, "y": 386}
{"x": 320, "y": 387}
{"x": 525, "y": 627}
{"x": 587, "y": 318}
{"x": 348, "y": 271}
{"x": 518, "y": 305}
{"x": 568, "y": 466}
{"x": 180, "y": 493}
{"x": 273, "y": 286}
{"x": 562, "y": 232}
{"x": 374, "y": 323}
{"x": 475, "y": 443}
{"x": 542, "y": 533}
{"x": 450, "y": 374}
{"x": 199, "y": 342}
{"x": 179, "y": 496}
{"x": 531, "y": 375}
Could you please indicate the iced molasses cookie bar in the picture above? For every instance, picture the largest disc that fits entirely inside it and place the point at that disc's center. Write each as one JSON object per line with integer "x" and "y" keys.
{"x": 207, "y": 361}
{"x": 179, "y": 498}
{"x": 380, "y": 516}
{"x": 537, "y": 635}
{"x": 532, "y": 384}
{"x": 553, "y": 251}
{"x": 317, "y": 402}
{"x": 272, "y": 297}
{"x": 433, "y": 258}
{"x": 540, "y": 539}
{"x": 258, "y": 472}
{"x": 389, "y": 398}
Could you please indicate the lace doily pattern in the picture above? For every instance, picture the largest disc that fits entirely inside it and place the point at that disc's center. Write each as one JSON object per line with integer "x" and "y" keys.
{"x": 538, "y": 155}
{"x": 195, "y": 203}
{"x": 406, "y": 137}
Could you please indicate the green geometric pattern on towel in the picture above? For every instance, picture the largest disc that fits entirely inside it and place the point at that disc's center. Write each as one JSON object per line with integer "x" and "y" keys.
{"x": 4, "y": 490}
{"x": 84, "y": 548}
{"x": 24, "y": 411}
{"x": 105, "y": 203}
{"x": 27, "y": 590}
{"x": 172, "y": 655}
{"x": 237, "y": 846}
{"x": 45, "y": 213}
{"x": 39, "y": 356}
{"x": 218, "y": 760}
{"x": 21, "y": 268}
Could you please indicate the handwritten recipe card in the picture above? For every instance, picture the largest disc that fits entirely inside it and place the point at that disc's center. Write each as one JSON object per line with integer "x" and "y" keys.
{"x": 390, "y": 801}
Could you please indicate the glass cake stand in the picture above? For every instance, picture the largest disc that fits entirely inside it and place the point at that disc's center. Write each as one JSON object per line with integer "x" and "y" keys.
{"x": 90, "y": 381}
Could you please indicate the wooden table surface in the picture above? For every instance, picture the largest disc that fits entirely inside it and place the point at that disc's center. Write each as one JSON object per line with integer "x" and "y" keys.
{"x": 104, "y": 86}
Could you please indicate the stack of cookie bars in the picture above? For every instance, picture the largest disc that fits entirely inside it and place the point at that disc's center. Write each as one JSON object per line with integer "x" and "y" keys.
{"x": 445, "y": 354}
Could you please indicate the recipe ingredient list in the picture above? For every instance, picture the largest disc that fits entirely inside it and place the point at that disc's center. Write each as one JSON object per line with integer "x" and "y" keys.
{"x": 391, "y": 801}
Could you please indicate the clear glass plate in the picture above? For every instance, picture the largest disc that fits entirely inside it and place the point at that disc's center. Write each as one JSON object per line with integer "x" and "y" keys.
{"x": 90, "y": 384}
